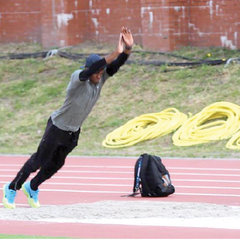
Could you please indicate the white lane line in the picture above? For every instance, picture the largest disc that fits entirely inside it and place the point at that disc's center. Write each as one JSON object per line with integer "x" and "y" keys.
{"x": 132, "y": 167}
{"x": 84, "y": 184}
{"x": 125, "y": 178}
{"x": 77, "y": 177}
{"x": 172, "y": 168}
{"x": 83, "y": 191}
{"x": 122, "y": 192}
{"x": 206, "y": 174}
{"x": 80, "y": 191}
{"x": 73, "y": 166}
{"x": 125, "y": 172}
{"x": 204, "y": 180}
{"x": 204, "y": 168}
{"x": 228, "y": 223}
{"x": 207, "y": 187}
{"x": 73, "y": 171}
{"x": 25, "y": 205}
{"x": 201, "y": 222}
{"x": 22, "y": 205}
{"x": 131, "y": 185}
{"x": 207, "y": 194}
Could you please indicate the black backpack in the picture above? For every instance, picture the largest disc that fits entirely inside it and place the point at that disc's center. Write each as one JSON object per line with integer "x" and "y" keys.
{"x": 151, "y": 177}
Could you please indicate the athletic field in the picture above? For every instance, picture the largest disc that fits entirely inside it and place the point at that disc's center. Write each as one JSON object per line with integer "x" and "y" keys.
{"x": 85, "y": 199}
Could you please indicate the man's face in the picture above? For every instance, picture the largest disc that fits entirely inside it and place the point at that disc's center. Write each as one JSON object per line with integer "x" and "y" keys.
{"x": 95, "y": 78}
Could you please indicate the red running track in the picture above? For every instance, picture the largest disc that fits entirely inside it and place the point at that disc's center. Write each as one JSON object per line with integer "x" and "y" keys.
{"x": 92, "y": 179}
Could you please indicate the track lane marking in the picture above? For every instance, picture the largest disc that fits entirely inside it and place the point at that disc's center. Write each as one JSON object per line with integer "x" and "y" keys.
{"x": 202, "y": 222}
{"x": 125, "y": 178}
{"x": 130, "y": 185}
{"x": 119, "y": 172}
{"x": 125, "y": 192}
{"x": 132, "y": 167}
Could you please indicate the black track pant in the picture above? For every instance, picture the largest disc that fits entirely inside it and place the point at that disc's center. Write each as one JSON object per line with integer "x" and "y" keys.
{"x": 52, "y": 151}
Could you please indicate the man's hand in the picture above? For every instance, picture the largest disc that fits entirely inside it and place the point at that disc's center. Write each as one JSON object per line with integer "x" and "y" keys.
{"x": 125, "y": 44}
{"x": 120, "y": 46}
{"x": 127, "y": 38}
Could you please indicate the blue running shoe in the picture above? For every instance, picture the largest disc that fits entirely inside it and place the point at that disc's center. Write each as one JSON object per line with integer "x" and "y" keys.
{"x": 31, "y": 195}
{"x": 9, "y": 197}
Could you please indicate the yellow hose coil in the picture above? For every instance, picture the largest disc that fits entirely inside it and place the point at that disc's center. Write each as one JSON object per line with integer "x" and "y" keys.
{"x": 234, "y": 142}
{"x": 145, "y": 127}
{"x": 217, "y": 121}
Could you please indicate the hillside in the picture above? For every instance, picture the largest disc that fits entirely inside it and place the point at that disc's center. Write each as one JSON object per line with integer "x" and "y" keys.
{"x": 34, "y": 87}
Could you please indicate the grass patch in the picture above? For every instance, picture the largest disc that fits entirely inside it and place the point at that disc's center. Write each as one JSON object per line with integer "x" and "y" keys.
{"x": 31, "y": 89}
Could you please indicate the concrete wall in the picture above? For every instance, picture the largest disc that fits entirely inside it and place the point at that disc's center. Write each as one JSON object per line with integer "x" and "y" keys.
{"x": 156, "y": 24}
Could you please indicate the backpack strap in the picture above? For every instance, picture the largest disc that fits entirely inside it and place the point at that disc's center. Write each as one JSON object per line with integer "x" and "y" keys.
{"x": 137, "y": 178}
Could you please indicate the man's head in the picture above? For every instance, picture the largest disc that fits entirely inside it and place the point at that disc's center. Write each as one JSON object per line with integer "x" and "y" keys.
{"x": 94, "y": 78}
{"x": 92, "y": 59}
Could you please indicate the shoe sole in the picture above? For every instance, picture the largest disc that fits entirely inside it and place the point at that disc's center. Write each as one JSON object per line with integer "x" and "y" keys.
{"x": 5, "y": 201}
{"x": 30, "y": 200}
